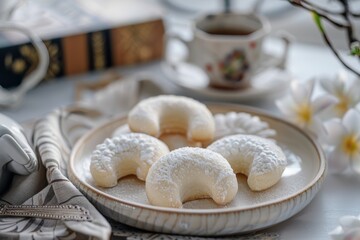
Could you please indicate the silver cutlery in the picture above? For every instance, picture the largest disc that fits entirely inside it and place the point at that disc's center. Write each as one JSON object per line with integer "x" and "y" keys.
{"x": 57, "y": 212}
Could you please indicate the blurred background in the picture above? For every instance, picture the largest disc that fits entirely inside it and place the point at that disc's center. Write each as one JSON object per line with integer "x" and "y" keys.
{"x": 283, "y": 16}
{"x": 86, "y": 37}
{"x": 50, "y": 15}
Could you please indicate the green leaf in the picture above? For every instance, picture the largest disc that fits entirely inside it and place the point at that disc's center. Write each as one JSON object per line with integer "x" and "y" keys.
{"x": 355, "y": 52}
{"x": 317, "y": 20}
{"x": 355, "y": 49}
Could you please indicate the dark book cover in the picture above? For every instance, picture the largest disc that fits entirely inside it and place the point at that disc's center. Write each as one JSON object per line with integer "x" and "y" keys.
{"x": 74, "y": 53}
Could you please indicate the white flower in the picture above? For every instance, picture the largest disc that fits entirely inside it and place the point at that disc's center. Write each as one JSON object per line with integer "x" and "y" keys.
{"x": 344, "y": 136}
{"x": 349, "y": 229}
{"x": 302, "y": 110}
{"x": 344, "y": 89}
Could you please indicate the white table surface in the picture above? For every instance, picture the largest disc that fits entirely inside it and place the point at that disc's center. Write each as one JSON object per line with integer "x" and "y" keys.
{"x": 340, "y": 194}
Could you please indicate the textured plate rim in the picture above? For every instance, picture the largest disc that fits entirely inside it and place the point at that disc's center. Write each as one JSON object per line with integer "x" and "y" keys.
{"x": 320, "y": 175}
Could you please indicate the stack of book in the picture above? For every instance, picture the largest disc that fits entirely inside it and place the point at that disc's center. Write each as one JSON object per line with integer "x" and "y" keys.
{"x": 82, "y": 35}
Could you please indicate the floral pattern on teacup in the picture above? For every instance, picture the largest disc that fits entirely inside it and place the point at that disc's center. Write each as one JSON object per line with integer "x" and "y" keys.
{"x": 232, "y": 68}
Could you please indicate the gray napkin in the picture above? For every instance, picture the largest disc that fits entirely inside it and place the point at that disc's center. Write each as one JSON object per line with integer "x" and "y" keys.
{"x": 53, "y": 151}
{"x": 53, "y": 138}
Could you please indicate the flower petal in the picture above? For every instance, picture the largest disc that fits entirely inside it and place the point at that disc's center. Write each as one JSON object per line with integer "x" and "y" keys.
{"x": 337, "y": 233}
{"x": 323, "y": 102}
{"x": 328, "y": 85}
{"x": 286, "y": 106}
{"x": 338, "y": 160}
{"x": 351, "y": 121}
{"x": 335, "y": 131}
{"x": 349, "y": 222}
{"x": 355, "y": 163}
{"x": 317, "y": 128}
{"x": 340, "y": 81}
{"x": 353, "y": 92}
{"x": 302, "y": 91}
{"x": 309, "y": 85}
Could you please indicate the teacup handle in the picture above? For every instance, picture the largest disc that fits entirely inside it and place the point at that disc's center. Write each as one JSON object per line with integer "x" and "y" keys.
{"x": 13, "y": 96}
{"x": 280, "y": 62}
{"x": 287, "y": 39}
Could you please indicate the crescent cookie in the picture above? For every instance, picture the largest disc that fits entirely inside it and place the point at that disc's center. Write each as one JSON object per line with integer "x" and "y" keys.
{"x": 190, "y": 173}
{"x": 260, "y": 159}
{"x": 172, "y": 114}
{"x": 127, "y": 154}
{"x": 172, "y": 140}
{"x": 175, "y": 141}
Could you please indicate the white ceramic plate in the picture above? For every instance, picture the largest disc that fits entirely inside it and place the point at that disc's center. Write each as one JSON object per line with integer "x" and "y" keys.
{"x": 128, "y": 204}
{"x": 264, "y": 85}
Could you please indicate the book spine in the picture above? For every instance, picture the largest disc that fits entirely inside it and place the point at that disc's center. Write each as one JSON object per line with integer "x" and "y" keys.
{"x": 75, "y": 54}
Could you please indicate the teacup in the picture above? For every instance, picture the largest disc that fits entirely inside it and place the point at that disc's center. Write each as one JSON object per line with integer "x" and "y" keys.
{"x": 228, "y": 48}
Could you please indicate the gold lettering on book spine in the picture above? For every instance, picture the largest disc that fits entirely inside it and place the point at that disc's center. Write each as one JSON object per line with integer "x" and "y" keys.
{"x": 54, "y": 64}
{"x": 137, "y": 43}
{"x": 30, "y": 54}
{"x": 98, "y": 45}
{"x": 19, "y": 65}
{"x": 29, "y": 60}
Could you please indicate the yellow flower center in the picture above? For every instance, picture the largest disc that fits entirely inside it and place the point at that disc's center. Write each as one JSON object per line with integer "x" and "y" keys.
{"x": 351, "y": 145}
{"x": 343, "y": 105}
{"x": 304, "y": 113}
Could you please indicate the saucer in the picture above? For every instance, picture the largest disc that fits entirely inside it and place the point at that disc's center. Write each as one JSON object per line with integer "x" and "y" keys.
{"x": 267, "y": 84}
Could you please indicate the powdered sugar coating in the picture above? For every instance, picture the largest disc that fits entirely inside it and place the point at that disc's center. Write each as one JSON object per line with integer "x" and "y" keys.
{"x": 258, "y": 158}
{"x": 172, "y": 114}
{"x": 131, "y": 153}
{"x": 190, "y": 173}
{"x": 241, "y": 123}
